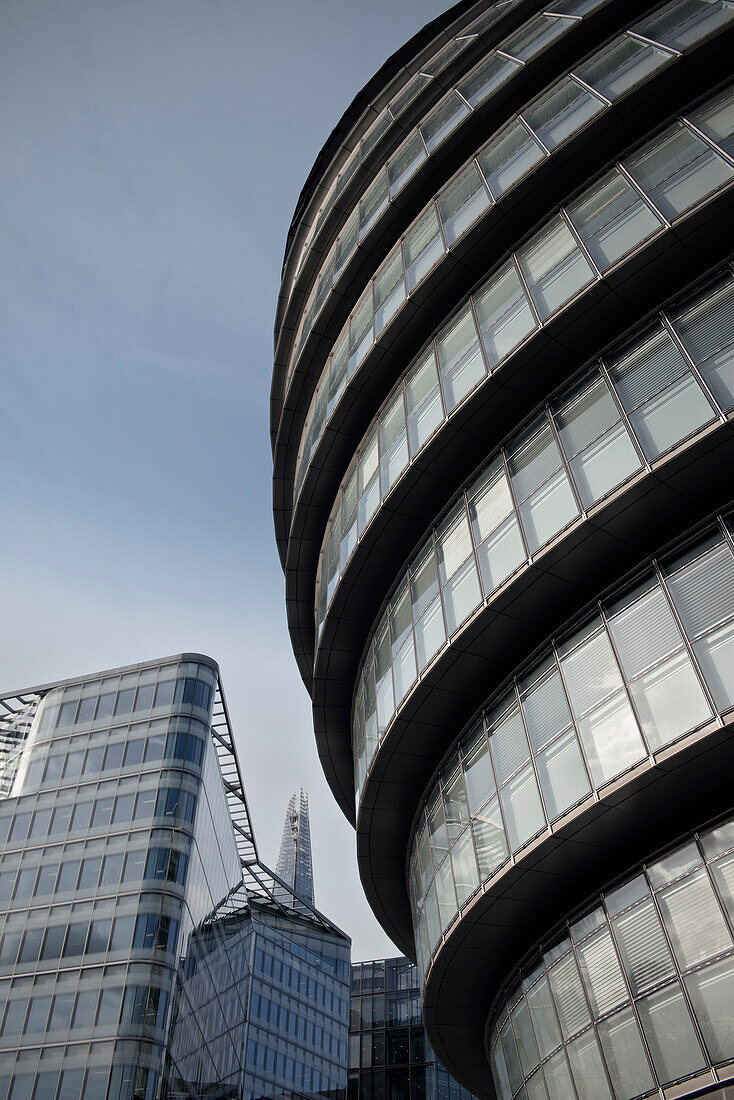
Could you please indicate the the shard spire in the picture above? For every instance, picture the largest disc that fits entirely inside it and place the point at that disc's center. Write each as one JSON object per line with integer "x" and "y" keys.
{"x": 294, "y": 864}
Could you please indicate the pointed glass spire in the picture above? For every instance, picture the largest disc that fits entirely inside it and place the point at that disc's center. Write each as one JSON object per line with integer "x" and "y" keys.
{"x": 294, "y": 858}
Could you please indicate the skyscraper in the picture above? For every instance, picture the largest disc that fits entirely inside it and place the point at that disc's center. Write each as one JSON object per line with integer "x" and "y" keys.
{"x": 127, "y": 859}
{"x": 294, "y": 864}
{"x": 501, "y": 423}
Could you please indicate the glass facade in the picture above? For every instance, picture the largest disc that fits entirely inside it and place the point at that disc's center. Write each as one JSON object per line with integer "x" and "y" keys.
{"x": 572, "y": 249}
{"x": 261, "y": 1005}
{"x": 115, "y": 843}
{"x": 656, "y": 390}
{"x": 645, "y": 205}
{"x": 467, "y": 95}
{"x": 648, "y": 667}
{"x": 294, "y": 863}
{"x": 390, "y": 1057}
{"x": 470, "y": 92}
{"x": 633, "y": 995}
{"x": 143, "y": 952}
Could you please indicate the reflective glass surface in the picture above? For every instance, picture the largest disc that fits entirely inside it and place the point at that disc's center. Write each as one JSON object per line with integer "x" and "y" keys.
{"x": 115, "y": 839}
{"x": 636, "y": 994}
{"x": 548, "y": 120}
{"x": 439, "y": 123}
{"x": 389, "y": 1053}
{"x": 626, "y": 684}
{"x": 620, "y": 417}
{"x": 262, "y": 1006}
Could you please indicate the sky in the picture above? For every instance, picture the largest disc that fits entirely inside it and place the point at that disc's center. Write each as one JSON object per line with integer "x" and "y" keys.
{"x": 151, "y": 156}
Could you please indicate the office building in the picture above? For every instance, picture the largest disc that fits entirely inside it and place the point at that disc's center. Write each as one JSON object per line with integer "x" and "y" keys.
{"x": 390, "y": 1057}
{"x": 262, "y": 1001}
{"x": 501, "y": 424}
{"x": 127, "y": 859}
{"x": 294, "y": 864}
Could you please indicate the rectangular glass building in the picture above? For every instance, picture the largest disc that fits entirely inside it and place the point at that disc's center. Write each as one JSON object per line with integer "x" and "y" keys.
{"x": 123, "y": 826}
{"x": 390, "y": 1057}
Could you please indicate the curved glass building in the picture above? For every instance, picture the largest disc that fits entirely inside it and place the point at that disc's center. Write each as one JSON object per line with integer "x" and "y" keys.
{"x": 501, "y": 419}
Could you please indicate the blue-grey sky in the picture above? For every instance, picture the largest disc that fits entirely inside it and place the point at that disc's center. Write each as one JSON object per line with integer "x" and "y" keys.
{"x": 152, "y": 153}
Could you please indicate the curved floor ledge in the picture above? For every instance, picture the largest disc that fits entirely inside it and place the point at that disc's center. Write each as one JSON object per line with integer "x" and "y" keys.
{"x": 590, "y": 555}
{"x": 688, "y": 784}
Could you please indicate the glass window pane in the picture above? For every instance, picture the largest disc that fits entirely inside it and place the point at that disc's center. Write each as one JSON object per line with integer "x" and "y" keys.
{"x": 558, "y": 1077}
{"x": 486, "y": 77}
{"x": 669, "y": 701}
{"x": 644, "y": 632}
{"x": 522, "y": 808}
{"x": 703, "y": 589}
{"x": 478, "y": 774}
{"x": 504, "y": 315}
{"x": 464, "y": 864}
{"x": 671, "y": 416}
{"x": 587, "y": 1066}
{"x": 544, "y": 1017}
{"x": 668, "y": 1028}
{"x": 462, "y": 202}
{"x": 611, "y": 739}
{"x": 460, "y": 360}
{"x": 524, "y": 1037}
{"x": 442, "y": 120}
{"x": 507, "y": 158}
{"x": 602, "y": 974}
{"x": 461, "y": 595}
{"x": 401, "y": 621}
{"x": 622, "y": 65}
{"x": 453, "y": 543}
{"x": 715, "y": 655}
{"x": 693, "y": 919}
{"x": 612, "y": 219}
{"x": 604, "y": 465}
{"x": 490, "y": 502}
{"x": 430, "y": 633}
{"x": 423, "y": 400}
{"x": 509, "y": 745}
{"x": 404, "y": 670}
{"x": 568, "y": 994}
{"x": 445, "y": 894}
{"x": 624, "y": 1053}
{"x": 489, "y": 839}
{"x": 393, "y": 443}
{"x": 373, "y": 203}
{"x": 548, "y": 511}
{"x": 422, "y": 247}
{"x": 405, "y": 162}
{"x": 554, "y": 267}
{"x": 500, "y": 554}
{"x": 678, "y": 171}
{"x": 716, "y": 120}
{"x": 642, "y": 945}
{"x": 586, "y": 416}
{"x": 534, "y": 36}
{"x": 389, "y": 289}
{"x": 533, "y": 458}
{"x": 562, "y": 775}
{"x": 712, "y": 992}
{"x": 590, "y": 672}
{"x": 545, "y": 709}
{"x": 423, "y": 581}
{"x": 561, "y": 112}
{"x": 512, "y": 1059}
{"x": 684, "y": 23}
{"x": 707, "y": 330}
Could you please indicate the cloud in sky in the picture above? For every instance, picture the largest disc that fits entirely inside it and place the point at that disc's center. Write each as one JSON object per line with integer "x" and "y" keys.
{"x": 152, "y": 157}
